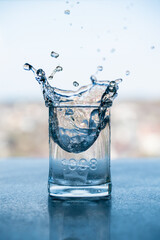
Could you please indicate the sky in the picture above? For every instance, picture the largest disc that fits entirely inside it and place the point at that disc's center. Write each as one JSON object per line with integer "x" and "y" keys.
{"x": 122, "y": 36}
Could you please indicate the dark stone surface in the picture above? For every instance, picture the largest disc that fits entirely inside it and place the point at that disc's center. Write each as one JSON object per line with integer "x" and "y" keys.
{"x": 26, "y": 211}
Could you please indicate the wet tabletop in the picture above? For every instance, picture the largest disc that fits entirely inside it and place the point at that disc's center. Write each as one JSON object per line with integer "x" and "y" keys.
{"x": 26, "y": 211}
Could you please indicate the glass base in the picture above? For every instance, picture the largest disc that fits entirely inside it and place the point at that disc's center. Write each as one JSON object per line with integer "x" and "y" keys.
{"x": 97, "y": 191}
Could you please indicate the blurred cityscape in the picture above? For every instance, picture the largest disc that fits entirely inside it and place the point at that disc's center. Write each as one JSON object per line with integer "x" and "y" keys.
{"x": 135, "y": 129}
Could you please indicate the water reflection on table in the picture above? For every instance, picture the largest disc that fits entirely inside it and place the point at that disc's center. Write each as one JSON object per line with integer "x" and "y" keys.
{"x": 79, "y": 220}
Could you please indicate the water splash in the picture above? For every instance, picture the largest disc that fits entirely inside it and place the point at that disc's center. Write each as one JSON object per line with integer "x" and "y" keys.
{"x": 77, "y": 117}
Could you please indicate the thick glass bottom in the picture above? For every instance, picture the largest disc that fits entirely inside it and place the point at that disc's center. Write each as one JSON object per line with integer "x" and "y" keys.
{"x": 97, "y": 191}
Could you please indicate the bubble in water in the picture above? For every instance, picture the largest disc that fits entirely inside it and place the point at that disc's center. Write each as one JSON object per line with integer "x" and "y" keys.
{"x": 127, "y": 72}
{"x": 27, "y": 67}
{"x": 58, "y": 69}
{"x": 54, "y": 54}
{"x": 75, "y": 84}
{"x": 93, "y": 79}
{"x": 67, "y": 12}
{"x": 69, "y": 111}
{"x": 100, "y": 68}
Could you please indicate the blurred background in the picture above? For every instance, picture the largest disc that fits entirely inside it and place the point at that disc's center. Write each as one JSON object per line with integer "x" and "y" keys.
{"x": 122, "y": 36}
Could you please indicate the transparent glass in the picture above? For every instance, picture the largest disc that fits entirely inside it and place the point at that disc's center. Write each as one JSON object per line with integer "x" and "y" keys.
{"x": 78, "y": 169}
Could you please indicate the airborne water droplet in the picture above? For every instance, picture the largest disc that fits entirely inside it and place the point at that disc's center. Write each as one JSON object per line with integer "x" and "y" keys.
{"x": 58, "y": 69}
{"x": 127, "y": 72}
{"x": 67, "y": 12}
{"x": 119, "y": 80}
{"x": 54, "y": 54}
{"x": 113, "y": 50}
{"x": 50, "y": 77}
{"x": 75, "y": 84}
{"x": 100, "y": 68}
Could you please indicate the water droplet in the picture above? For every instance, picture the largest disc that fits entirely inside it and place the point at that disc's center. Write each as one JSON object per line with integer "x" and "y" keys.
{"x": 100, "y": 68}
{"x": 78, "y": 2}
{"x": 40, "y": 75}
{"x": 27, "y": 67}
{"x": 58, "y": 69}
{"x": 98, "y": 50}
{"x": 67, "y": 12}
{"x": 119, "y": 80}
{"x": 127, "y": 72}
{"x": 125, "y": 28}
{"x": 152, "y": 47}
{"x": 75, "y": 84}
{"x": 93, "y": 79}
{"x": 81, "y": 27}
{"x": 67, "y": 2}
{"x": 113, "y": 50}
{"x": 40, "y": 72}
{"x": 54, "y": 54}
{"x": 104, "y": 59}
{"x": 70, "y": 24}
{"x": 69, "y": 111}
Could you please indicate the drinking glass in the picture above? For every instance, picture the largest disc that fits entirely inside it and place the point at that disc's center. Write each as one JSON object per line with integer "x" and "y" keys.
{"x": 79, "y": 152}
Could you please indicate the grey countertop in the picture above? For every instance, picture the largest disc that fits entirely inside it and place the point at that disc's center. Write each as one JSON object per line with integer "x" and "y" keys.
{"x": 26, "y": 211}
